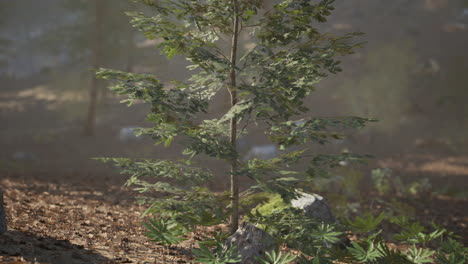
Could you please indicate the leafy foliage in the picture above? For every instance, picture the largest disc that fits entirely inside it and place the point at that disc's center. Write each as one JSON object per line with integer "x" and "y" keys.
{"x": 366, "y": 223}
{"x": 277, "y": 258}
{"x": 364, "y": 253}
{"x": 221, "y": 255}
{"x": 420, "y": 255}
{"x": 164, "y": 231}
{"x": 413, "y": 232}
{"x": 452, "y": 252}
{"x": 386, "y": 183}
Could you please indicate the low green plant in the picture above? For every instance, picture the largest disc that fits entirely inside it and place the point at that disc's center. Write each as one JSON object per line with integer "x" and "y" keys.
{"x": 452, "y": 252}
{"x": 165, "y": 231}
{"x": 422, "y": 186}
{"x": 395, "y": 208}
{"x": 387, "y": 183}
{"x": 382, "y": 181}
{"x": 220, "y": 255}
{"x": 349, "y": 181}
{"x": 388, "y": 255}
{"x": 366, "y": 223}
{"x": 364, "y": 252}
{"x": 275, "y": 257}
{"x": 420, "y": 255}
{"x": 414, "y": 233}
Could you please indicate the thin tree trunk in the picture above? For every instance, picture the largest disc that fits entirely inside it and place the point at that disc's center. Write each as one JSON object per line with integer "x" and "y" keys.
{"x": 97, "y": 57}
{"x": 3, "y": 223}
{"x": 233, "y": 92}
{"x": 130, "y": 50}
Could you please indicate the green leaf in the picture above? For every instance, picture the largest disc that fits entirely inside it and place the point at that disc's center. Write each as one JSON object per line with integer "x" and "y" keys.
{"x": 420, "y": 255}
{"x": 368, "y": 253}
{"x": 164, "y": 231}
{"x": 221, "y": 255}
{"x": 275, "y": 257}
{"x": 367, "y": 222}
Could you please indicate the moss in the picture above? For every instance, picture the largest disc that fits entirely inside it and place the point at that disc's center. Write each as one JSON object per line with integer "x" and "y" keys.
{"x": 273, "y": 204}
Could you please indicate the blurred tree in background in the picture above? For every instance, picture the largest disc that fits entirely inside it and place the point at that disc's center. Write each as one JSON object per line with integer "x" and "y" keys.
{"x": 383, "y": 84}
{"x": 95, "y": 39}
{"x": 5, "y": 8}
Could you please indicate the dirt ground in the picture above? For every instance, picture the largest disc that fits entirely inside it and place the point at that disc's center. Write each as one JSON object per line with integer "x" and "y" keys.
{"x": 56, "y": 223}
{"x": 62, "y": 222}
{"x": 64, "y": 207}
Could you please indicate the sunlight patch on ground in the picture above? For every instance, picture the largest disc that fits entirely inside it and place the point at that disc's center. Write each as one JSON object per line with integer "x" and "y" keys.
{"x": 43, "y": 93}
{"x": 39, "y": 93}
{"x": 12, "y": 106}
{"x": 450, "y": 166}
{"x": 433, "y": 5}
{"x": 19, "y": 101}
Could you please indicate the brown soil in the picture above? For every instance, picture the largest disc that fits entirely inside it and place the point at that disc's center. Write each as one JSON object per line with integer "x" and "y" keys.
{"x": 69, "y": 223}
{"x": 58, "y": 223}
{"x": 64, "y": 207}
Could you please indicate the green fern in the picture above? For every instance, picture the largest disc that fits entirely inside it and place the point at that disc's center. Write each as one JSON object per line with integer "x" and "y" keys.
{"x": 164, "y": 231}
{"x": 420, "y": 255}
{"x": 364, "y": 254}
{"x": 389, "y": 256}
{"x": 413, "y": 233}
{"x": 277, "y": 258}
{"x": 325, "y": 233}
{"x": 221, "y": 255}
{"x": 367, "y": 223}
{"x": 452, "y": 252}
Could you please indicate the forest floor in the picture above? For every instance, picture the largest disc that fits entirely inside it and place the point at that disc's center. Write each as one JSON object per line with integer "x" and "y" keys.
{"x": 53, "y": 220}
{"x": 63, "y": 207}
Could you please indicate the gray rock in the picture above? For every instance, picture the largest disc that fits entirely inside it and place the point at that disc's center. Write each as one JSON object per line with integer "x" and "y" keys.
{"x": 3, "y": 224}
{"x": 251, "y": 242}
{"x": 314, "y": 206}
{"x": 25, "y": 156}
{"x": 128, "y": 134}
{"x": 263, "y": 152}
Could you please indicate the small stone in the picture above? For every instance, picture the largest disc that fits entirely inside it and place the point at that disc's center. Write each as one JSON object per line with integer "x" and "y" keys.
{"x": 24, "y": 156}
{"x": 128, "y": 134}
{"x": 314, "y": 206}
{"x": 251, "y": 242}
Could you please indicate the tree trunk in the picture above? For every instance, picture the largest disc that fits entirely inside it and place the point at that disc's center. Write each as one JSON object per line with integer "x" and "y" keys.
{"x": 233, "y": 92}
{"x": 3, "y": 224}
{"x": 130, "y": 50}
{"x": 97, "y": 57}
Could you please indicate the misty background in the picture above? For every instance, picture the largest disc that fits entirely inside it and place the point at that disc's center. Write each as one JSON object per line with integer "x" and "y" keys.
{"x": 411, "y": 74}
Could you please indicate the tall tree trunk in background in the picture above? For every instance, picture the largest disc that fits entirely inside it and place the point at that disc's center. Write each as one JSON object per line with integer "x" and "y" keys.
{"x": 3, "y": 224}
{"x": 233, "y": 92}
{"x": 97, "y": 60}
{"x": 130, "y": 50}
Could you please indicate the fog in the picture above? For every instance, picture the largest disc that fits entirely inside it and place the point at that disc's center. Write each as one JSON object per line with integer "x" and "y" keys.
{"x": 411, "y": 73}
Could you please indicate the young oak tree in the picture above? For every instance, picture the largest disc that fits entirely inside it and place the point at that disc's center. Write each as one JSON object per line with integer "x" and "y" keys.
{"x": 267, "y": 84}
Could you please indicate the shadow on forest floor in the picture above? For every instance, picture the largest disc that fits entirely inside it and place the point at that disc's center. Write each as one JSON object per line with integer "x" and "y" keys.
{"x": 72, "y": 224}
{"x": 25, "y": 247}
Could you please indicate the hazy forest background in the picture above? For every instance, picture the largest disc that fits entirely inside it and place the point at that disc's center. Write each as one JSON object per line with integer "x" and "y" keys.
{"x": 411, "y": 74}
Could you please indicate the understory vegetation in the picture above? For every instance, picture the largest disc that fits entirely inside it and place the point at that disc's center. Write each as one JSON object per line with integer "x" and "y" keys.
{"x": 267, "y": 84}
